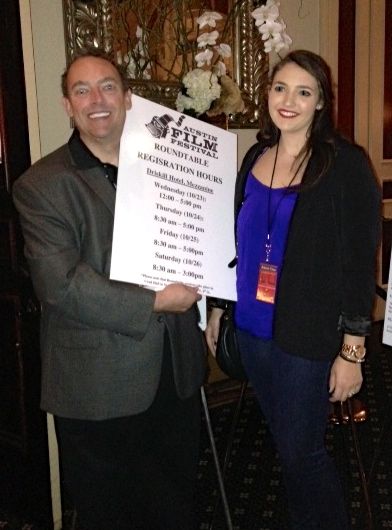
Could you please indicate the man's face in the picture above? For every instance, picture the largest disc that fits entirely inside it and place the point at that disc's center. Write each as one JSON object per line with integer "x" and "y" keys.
{"x": 96, "y": 101}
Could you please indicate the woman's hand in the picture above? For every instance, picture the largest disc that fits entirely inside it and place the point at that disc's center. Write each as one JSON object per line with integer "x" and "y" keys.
{"x": 212, "y": 329}
{"x": 345, "y": 379}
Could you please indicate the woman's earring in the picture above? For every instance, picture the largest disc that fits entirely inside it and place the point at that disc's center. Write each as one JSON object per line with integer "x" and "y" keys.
{"x": 319, "y": 106}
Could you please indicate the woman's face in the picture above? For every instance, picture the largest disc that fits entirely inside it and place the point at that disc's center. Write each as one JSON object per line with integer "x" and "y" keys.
{"x": 293, "y": 99}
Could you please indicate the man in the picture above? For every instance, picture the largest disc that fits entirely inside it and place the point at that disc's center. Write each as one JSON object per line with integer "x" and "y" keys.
{"x": 121, "y": 365}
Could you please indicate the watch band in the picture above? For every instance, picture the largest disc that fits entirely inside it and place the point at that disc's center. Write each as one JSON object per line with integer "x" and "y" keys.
{"x": 353, "y": 353}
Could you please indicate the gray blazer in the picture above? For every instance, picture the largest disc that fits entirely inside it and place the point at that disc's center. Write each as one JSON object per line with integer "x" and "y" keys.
{"x": 101, "y": 343}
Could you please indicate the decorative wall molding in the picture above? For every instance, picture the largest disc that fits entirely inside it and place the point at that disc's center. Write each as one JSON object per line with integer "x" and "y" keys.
{"x": 92, "y": 23}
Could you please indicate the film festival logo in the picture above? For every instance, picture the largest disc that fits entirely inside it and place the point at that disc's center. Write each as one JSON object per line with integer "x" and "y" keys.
{"x": 159, "y": 126}
{"x": 188, "y": 138}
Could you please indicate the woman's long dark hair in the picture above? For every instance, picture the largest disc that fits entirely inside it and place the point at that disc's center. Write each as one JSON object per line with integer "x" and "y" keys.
{"x": 322, "y": 134}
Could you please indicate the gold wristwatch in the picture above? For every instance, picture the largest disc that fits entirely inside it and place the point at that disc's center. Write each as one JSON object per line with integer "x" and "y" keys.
{"x": 353, "y": 354}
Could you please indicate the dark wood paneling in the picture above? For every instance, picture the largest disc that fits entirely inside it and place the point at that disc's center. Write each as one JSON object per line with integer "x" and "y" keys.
{"x": 346, "y": 68}
{"x": 13, "y": 110}
{"x": 386, "y": 249}
{"x": 387, "y": 150}
{"x": 12, "y": 417}
{"x": 24, "y": 461}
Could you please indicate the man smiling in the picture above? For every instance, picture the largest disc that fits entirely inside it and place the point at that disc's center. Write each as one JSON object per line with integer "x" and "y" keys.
{"x": 97, "y": 100}
{"x": 121, "y": 365}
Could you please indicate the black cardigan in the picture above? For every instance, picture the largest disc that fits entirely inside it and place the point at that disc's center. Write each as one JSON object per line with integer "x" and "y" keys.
{"x": 327, "y": 282}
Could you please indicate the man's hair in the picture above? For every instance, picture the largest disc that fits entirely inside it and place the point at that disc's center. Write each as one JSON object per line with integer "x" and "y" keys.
{"x": 100, "y": 54}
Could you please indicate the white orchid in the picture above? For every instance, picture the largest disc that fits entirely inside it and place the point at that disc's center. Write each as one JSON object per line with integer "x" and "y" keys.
{"x": 208, "y": 18}
{"x": 224, "y": 50}
{"x": 207, "y": 39}
{"x": 279, "y": 41}
{"x": 272, "y": 29}
{"x": 285, "y": 43}
{"x": 270, "y": 11}
{"x": 220, "y": 69}
{"x": 269, "y": 29}
{"x": 270, "y": 45}
{"x": 203, "y": 58}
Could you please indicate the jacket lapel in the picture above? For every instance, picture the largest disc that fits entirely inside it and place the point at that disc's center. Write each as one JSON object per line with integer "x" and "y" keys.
{"x": 88, "y": 167}
{"x": 96, "y": 180}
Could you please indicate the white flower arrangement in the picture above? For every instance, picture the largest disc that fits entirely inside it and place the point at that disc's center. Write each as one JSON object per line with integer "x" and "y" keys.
{"x": 198, "y": 62}
{"x": 202, "y": 88}
{"x": 271, "y": 27}
{"x": 202, "y": 85}
{"x": 207, "y": 88}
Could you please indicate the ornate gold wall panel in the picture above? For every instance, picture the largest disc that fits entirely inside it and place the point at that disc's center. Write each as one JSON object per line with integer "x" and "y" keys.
{"x": 100, "y": 23}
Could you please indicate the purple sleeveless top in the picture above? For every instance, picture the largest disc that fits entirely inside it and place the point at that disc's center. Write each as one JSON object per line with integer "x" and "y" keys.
{"x": 252, "y": 315}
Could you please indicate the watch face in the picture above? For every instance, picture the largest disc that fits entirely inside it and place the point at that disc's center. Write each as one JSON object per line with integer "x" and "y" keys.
{"x": 360, "y": 352}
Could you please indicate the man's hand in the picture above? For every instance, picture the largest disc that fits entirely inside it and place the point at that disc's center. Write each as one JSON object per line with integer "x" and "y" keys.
{"x": 175, "y": 298}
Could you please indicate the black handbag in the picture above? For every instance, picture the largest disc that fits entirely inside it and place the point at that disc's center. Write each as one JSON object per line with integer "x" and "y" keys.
{"x": 228, "y": 355}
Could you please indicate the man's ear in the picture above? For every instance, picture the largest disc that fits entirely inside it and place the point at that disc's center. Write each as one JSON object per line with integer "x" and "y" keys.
{"x": 128, "y": 99}
{"x": 67, "y": 106}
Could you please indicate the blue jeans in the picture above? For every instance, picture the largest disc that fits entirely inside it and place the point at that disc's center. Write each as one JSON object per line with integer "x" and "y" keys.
{"x": 293, "y": 396}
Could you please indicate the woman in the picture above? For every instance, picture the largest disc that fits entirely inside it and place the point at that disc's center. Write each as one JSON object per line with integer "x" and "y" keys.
{"x": 307, "y": 227}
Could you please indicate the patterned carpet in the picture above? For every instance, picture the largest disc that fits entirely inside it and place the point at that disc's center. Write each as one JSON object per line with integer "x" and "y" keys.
{"x": 253, "y": 479}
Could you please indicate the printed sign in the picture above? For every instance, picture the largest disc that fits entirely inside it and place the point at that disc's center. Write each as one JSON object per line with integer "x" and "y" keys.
{"x": 387, "y": 333}
{"x": 174, "y": 217}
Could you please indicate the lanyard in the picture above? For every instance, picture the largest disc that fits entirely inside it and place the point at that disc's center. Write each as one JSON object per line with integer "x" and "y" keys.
{"x": 271, "y": 220}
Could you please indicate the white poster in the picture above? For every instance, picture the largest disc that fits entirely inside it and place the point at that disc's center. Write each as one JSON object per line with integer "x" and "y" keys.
{"x": 174, "y": 217}
{"x": 387, "y": 333}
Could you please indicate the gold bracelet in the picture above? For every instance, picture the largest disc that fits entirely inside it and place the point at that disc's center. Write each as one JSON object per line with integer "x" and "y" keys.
{"x": 353, "y": 353}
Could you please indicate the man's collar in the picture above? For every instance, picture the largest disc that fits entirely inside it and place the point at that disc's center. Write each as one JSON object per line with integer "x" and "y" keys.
{"x": 82, "y": 155}
{"x": 85, "y": 159}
